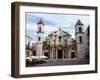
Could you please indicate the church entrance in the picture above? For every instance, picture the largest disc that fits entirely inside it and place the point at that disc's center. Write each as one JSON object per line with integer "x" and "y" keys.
{"x": 73, "y": 55}
{"x": 59, "y": 54}
{"x": 46, "y": 54}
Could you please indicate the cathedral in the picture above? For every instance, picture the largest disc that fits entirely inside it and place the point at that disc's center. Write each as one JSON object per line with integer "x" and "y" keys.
{"x": 60, "y": 44}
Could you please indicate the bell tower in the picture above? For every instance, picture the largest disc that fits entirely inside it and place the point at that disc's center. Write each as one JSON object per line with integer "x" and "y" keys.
{"x": 80, "y": 40}
{"x": 40, "y": 38}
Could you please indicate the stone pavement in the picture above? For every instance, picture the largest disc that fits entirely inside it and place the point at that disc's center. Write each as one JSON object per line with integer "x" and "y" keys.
{"x": 61, "y": 62}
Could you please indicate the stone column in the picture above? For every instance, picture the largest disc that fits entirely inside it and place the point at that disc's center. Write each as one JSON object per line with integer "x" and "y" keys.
{"x": 56, "y": 55}
{"x": 52, "y": 53}
{"x": 63, "y": 55}
{"x": 66, "y": 53}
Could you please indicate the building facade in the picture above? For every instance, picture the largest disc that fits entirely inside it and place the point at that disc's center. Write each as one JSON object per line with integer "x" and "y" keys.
{"x": 60, "y": 44}
{"x": 28, "y": 41}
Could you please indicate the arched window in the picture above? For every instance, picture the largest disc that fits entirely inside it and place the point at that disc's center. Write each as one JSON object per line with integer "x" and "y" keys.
{"x": 80, "y": 29}
{"x": 80, "y": 39}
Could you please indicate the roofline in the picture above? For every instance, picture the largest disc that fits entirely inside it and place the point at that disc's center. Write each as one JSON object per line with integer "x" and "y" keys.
{"x": 61, "y": 30}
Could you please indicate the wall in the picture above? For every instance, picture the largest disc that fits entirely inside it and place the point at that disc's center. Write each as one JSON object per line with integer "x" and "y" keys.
{"x": 5, "y": 41}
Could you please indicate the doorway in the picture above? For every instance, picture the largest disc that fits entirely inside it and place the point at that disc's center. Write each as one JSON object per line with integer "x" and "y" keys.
{"x": 59, "y": 54}
{"x": 46, "y": 54}
{"x": 72, "y": 54}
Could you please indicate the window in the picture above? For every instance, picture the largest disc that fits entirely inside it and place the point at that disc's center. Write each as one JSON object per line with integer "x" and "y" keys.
{"x": 39, "y": 29}
{"x": 39, "y": 38}
{"x": 80, "y": 29}
{"x": 59, "y": 38}
{"x": 65, "y": 42}
{"x": 80, "y": 39}
{"x": 34, "y": 52}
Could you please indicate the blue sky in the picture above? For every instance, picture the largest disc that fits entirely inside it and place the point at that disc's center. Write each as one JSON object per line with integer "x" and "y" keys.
{"x": 53, "y": 22}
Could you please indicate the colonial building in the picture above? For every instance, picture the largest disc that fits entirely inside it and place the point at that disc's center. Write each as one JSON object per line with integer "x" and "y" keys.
{"x": 28, "y": 41}
{"x": 60, "y": 44}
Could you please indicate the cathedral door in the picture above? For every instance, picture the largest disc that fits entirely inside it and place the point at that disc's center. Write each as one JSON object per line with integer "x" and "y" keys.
{"x": 59, "y": 54}
{"x": 73, "y": 55}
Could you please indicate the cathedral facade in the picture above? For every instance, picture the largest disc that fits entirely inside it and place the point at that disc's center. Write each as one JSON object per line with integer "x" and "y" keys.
{"x": 60, "y": 44}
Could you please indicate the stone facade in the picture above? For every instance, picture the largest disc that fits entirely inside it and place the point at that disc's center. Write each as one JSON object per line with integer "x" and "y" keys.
{"x": 60, "y": 44}
{"x": 80, "y": 40}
